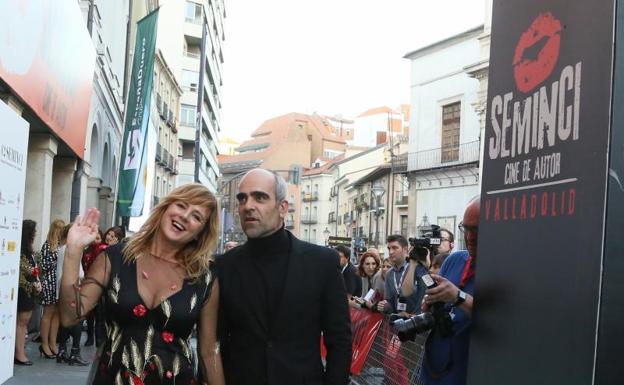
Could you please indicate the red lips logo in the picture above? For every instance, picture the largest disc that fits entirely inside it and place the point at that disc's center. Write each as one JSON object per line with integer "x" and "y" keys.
{"x": 537, "y": 52}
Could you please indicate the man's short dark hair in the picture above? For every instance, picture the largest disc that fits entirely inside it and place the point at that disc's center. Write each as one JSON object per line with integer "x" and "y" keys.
{"x": 397, "y": 238}
{"x": 451, "y": 237}
{"x": 344, "y": 250}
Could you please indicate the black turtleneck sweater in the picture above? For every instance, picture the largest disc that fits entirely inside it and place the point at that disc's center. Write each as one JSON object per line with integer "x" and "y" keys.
{"x": 269, "y": 256}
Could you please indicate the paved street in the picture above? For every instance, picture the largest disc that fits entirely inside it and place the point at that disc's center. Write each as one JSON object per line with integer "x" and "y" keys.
{"x": 48, "y": 372}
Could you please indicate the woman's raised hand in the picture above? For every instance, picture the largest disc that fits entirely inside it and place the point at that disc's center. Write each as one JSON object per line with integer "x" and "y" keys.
{"x": 84, "y": 229}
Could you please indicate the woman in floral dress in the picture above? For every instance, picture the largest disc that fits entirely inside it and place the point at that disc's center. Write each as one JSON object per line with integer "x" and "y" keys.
{"x": 157, "y": 288}
{"x": 49, "y": 325}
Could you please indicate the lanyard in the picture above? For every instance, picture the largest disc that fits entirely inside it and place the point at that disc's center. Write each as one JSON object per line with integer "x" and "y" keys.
{"x": 397, "y": 285}
{"x": 468, "y": 272}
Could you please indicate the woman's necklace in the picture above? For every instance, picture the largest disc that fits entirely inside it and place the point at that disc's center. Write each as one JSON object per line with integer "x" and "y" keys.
{"x": 175, "y": 264}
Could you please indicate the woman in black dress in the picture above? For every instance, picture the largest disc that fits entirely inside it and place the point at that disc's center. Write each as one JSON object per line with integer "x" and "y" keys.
{"x": 157, "y": 288}
{"x": 29, "y": 287}
{"x": 49, "y": 325}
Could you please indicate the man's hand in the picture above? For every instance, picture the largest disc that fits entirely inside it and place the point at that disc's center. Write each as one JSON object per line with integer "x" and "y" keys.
{"x": 381, "y": 306}
{"x": 445, "y": 291}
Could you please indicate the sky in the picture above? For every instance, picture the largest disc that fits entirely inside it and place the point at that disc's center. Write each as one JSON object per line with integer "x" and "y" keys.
{"x": 327, "y": 56}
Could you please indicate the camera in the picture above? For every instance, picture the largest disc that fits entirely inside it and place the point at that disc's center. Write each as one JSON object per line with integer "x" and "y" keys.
{"x": 426, "y": 245}
{"x": 438, "y": 320}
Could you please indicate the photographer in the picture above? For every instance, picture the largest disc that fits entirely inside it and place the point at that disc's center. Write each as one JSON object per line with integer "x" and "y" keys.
{"x": 446, "y": 357}
{"x": 420, "y": 257}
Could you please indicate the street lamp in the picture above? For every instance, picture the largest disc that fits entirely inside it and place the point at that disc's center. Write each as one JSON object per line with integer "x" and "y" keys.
{"x": 326, "y": 233}
{"x": 424, "y": 225}
{"x": 378, "y": 190}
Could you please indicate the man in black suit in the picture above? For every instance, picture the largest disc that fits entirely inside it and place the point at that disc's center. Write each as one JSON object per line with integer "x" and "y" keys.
{"x": 353, "y": 282}
{"x": 277, "y": 295}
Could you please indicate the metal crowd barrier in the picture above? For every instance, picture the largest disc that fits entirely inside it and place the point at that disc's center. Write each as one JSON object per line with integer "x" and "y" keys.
{"x": 389, "y": 361}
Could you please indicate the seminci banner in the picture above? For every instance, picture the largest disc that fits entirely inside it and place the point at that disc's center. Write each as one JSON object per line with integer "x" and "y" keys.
{"x": 134, "y": 152}
{"x": 543, "y": 194}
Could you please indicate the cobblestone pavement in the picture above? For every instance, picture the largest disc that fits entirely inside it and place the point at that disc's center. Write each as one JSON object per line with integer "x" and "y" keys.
{"x": 48, "y": 372}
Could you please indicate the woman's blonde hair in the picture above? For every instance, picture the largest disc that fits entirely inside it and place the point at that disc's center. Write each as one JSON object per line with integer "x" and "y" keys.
{"x": 54, "y": 234}
{"x": 196, "y": 255}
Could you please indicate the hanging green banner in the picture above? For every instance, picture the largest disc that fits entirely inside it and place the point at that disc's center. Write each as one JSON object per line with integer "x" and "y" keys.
{"x": 134, "y": 160}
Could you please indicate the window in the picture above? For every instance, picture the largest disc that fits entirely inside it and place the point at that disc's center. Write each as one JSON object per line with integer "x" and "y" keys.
{"x": 190, "y": 80}
{"x": 404, "y": 225}
{"x": 188, "y": 150}
{"x": 193, "y": 12}
{"x": 450, "y": 132}
{"x": 187, "y": 115}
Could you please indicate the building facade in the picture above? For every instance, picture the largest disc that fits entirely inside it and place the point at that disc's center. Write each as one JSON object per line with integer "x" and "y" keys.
{"x": 317, "y": 212}
{"x": 108, "y": 25}
{"x": 379, "y": 125}
{"x": 166, "y": 96}
{"x": 444, "y": 142}
{"x": 209, "y": 93}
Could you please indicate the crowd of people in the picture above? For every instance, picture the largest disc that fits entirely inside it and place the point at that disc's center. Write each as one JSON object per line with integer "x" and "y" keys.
{"x": 396, "y": 287}
{"x": 39, "y": 283}
{"x": 257, "y": 310}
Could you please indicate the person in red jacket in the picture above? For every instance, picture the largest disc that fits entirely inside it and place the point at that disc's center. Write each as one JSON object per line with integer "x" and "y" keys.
{"x": 94, "y": 321}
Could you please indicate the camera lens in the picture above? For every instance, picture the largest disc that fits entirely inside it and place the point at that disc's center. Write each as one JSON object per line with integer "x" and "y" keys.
{"x": 419, "y": 323}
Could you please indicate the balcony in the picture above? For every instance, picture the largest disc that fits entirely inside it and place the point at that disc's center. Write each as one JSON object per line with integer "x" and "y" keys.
{"x": 332, "y": 217}
{"x": 289, "y": 223}
{"x": 192, "y": 55}
{"x": 158, "y": 154}
{"x": 444, "y": 157}
{"x": 166, "y": 159}
{"x": 170, "y": 119}
{"x": 346, "y": 218}
{"x": 309, "y": 197}
{"x": 309, "y": 219}
{"x": 164, "y": 111}
{"x": 399, "y": 164}
{"x": 400, "y": 199}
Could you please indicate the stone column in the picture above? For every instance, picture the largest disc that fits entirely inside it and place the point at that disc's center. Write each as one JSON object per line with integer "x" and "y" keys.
{"x": 79, "y": 189}
{"x": 62, "y": 177}
{"x": 93, "y": 192}
{"x": 37, "y": 200}
{"x": 412, "y": 215}
{"x": 106, "y": 207}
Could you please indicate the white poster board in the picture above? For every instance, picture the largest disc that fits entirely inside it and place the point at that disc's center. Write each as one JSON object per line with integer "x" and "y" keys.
{"x": 13, "y": 154}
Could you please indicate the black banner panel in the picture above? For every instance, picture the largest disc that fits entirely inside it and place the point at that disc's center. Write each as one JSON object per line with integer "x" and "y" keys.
{"x": 611, "y": 328}
{"x": 543, "y": 194}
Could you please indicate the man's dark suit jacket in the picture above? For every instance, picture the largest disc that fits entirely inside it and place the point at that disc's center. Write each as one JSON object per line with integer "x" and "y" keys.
{"x": 288, "y": 351}
{"x": 353, "y": 282}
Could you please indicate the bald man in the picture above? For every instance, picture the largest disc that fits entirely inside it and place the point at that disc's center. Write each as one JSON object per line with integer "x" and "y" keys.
{"x": 277, "y": 295}
{"x": 446, "y": 358}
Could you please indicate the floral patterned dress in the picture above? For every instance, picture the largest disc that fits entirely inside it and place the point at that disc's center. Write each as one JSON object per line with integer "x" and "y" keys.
{"x": 48, "y": 262}
{"x": 147, "y": 346}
